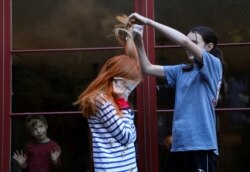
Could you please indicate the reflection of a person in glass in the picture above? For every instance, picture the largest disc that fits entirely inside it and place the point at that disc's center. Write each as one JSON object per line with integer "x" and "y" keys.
{"x": 41, "y": 153}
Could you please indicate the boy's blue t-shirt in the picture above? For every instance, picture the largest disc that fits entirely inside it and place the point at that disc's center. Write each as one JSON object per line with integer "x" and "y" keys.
{"x": 194, "y": 121}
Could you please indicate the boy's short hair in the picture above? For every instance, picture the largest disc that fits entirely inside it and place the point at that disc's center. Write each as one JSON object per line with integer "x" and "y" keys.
{"x": 32, "y": 120}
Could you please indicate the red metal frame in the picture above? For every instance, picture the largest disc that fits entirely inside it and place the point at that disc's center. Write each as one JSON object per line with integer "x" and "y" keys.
{"x": 146, "y": 101}
{"x": 1, "y": 85}
{"x": 5, "y": 66}
{"x": 65, "y": 50}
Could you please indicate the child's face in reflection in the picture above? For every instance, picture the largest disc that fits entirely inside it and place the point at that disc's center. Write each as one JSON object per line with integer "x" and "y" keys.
{"x": 39, "y": 131}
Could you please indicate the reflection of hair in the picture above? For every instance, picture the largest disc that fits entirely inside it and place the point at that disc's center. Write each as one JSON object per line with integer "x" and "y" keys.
{"x": 125, "y": 65}
{"x": 209, "y": 36}
{"x": 31, "y": 121}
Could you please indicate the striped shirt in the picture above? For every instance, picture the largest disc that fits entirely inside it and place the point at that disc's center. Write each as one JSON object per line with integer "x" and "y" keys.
{"x": 113, "y": 139}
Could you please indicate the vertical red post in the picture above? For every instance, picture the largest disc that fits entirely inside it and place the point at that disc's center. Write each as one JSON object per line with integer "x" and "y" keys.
{"x": 146, "y": 100}
{"x": 5, "y": 86}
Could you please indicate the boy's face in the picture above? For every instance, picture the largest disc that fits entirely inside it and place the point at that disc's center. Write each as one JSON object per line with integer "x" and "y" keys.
{"x": 39, "y": 131}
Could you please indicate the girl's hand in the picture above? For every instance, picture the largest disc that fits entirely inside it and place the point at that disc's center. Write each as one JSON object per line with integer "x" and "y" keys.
{"x": 136, "y": 18}
{"x": 138, "y": 35}
{"x": 100, "y": 100}
{"x": 137, "y": 31}
{"x": 119, "y": 88}
{"x": 21, "y": 158}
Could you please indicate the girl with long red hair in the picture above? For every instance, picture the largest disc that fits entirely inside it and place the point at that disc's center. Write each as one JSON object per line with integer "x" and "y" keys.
{"x": 105, "y": 104}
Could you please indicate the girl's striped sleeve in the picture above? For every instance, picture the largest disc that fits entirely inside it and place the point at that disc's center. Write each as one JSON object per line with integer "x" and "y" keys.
{"x": 119, "y": 127}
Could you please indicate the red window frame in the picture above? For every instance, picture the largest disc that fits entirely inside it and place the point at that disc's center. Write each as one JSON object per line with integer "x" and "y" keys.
{"x": 5, "y": 85}
{"x": 146, "y": 101}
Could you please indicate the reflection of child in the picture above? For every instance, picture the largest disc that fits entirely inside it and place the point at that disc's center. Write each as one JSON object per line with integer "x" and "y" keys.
{"x": 41, "y": 153}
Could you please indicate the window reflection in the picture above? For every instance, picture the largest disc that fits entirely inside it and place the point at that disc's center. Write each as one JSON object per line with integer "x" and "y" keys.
{"x": 220, "y": 15}
{"x": 45, "y": 82}
{"x": 238, "y": 97}
{"x": 164, "y": 140}
{"x": 234, "y": 140}
{"x": 65, "y": 24}
{"x": 49, "y": 82}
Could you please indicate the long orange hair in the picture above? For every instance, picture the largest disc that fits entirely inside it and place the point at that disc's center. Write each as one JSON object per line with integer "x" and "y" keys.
{"x": 123, "y": 33}
{"x": 125, "y": 65}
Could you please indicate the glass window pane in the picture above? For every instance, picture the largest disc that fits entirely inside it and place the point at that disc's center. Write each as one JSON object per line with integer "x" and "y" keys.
{"x": 229, "y": 18}
{"x": 46, "y": 82}
{"x": 234, "y": 141}
{"x": 237, "y": 60}
{"x": 236, "y": 89}
{"x": 52, "y": 81}
{"x": 164, "y": 140}
{"x": 65, "y": 24}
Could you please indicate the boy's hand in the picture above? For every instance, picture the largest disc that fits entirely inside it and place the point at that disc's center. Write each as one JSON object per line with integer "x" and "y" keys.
{"x": 21, "y": 158}
{"x": 55, "y": 154}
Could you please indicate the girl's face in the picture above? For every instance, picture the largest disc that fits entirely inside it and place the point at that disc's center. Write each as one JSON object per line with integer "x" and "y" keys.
{"x": 198, "y": 40}
{"x": 39, "y": 132}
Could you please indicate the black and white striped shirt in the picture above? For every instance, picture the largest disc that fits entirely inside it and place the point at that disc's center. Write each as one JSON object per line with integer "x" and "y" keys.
{"x": 113, "y": 139}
